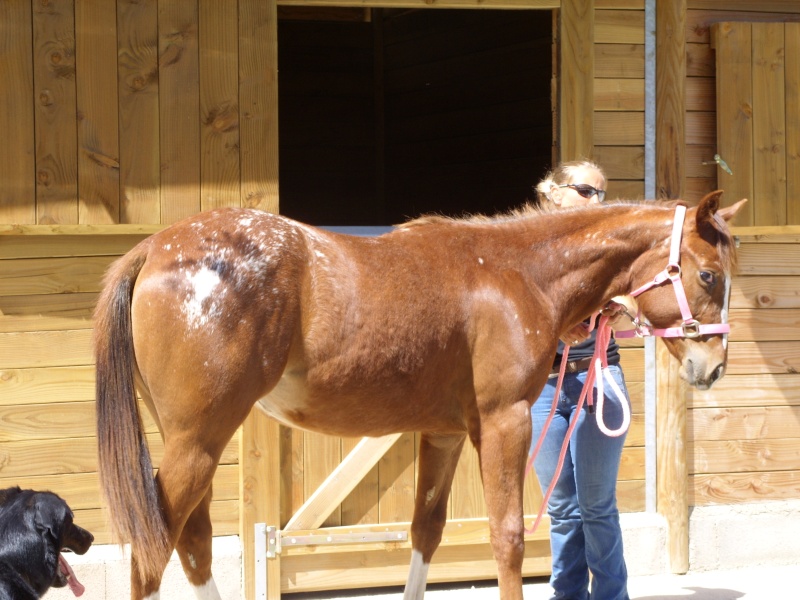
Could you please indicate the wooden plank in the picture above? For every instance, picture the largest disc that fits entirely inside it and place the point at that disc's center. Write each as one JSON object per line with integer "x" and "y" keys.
{"x": 792, "y": 90}
{"x": 72, "y": 455}
{"x": 619, "y": 61}
{"x": 340, "y": 482}
{"x": 696, "y": 156}
{"x": 787, "y": 234}
{"x": 701, "y": 128}
{"x": 55, "y": 385}
{"x": 619, "y": 128}
{"x": 744, "y": 423}
{"x": 670, "y": 98}
{"x": 219, "y": 106}
{"x": 699, "y": 60}
{"x": 17, "y": 167}
{"x": 258, "y": 103}
{"x": 769, "y": 125}
{"x": 55, "y": 110}
{"x": 618, "y": 26}
{"x": 98, "y": 122}
{"x": 744, "y": 488}
{"x": 619, "y": 94}
{"x": 576, "y": 75}
{"x": 792, "y": 95}
{"x": 766, "y": 325}
{"x": 750, "y": 391}
{"x": 53, "y": 276}
{"x": 769, "y": 259}
{"x": 321, "y": 456}
{"x": 46, "y": 349}
{"x": 701, "y": 93}
{"x": 361, "y": 504}
{"x": 700, "y": 22}
{"x": 625, "y": 189}
{"x": 735, "y": 114}
{"x": 397, "y": 481}
{"x": 46, "y": 312}
{"x": 49, "y": 246}
{"x": 743, "y": 456}
{"x": 336, "y": 570}
{"x": 140, "y": 155}
{"x": 466, "y": 498}
{"x": 179, "y": 113}
{"x": 752, "y": 358}
{"x": 621, "y": 162}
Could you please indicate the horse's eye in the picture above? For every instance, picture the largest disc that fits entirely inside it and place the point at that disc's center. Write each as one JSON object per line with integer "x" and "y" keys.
{"x": 708, "y": 278}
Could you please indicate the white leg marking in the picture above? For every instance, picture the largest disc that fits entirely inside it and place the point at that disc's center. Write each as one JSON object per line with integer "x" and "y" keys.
{"x": 207, "y": 591}
{"x": 154, "y": 596}
{"x": 417, "y": 577}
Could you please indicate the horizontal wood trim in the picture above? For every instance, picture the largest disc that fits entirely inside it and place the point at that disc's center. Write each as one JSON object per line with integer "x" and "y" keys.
{"x": 619, "y": 61}
{"x": 743, "y": 456}
{"x": 767, "y": 291}
{"x": 16, "y": 245}
{"x": 619, "y": 94}
{"x": 745, "y": 423}
{"x": 750, "y": 358}
{"x": 48, "y": 312}
{"x": 621, "y": 162}
{"x": 769, "y": 259}
{"x": 764, "y": 325}
{"x": 769, "y": 234}
{"x": 749, "y": 391}
{"x": 618, "y": 128}
{"x": 53, "y": 275}
{"x": 619, "y": 27}
{"x": 740, "y": 488}
{"x": 62, "y": 456}
{"x": 699, "y": 19}
{"x": 46, "y": 349}
{"x": 53, "y": 385}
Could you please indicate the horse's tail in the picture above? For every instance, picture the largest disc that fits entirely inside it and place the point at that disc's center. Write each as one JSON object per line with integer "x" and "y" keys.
{"x": 126, "y": 472}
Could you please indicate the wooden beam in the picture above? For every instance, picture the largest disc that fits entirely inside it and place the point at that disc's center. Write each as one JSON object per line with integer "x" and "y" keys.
{"x": 672, "y": 498}
{"x": 576, "y": 72}
{"x": 341, "y": 482}
{"x": 505, "y": 4}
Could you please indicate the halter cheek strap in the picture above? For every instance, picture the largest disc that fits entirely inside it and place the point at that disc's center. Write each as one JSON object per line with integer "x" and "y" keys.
{"x": 691, "y": 327}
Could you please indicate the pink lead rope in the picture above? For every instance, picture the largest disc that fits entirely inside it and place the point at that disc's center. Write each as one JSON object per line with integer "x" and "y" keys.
{"x": 690, "y": 328}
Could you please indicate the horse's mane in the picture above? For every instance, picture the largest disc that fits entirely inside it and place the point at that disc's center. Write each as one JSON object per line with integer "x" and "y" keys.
{"x": 726, "y": 247}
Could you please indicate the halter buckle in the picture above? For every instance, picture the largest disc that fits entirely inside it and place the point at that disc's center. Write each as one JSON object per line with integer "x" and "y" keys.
{"x": 691, "y": 328}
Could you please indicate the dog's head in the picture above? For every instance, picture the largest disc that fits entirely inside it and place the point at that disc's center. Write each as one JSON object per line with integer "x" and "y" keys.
{"x": 37, "y": 527}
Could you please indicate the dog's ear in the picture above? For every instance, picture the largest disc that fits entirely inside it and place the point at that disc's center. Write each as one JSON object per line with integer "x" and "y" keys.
{"x": 51, "y": 515}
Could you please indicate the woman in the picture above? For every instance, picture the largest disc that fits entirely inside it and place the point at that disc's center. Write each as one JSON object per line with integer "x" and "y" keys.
{"x": 585, "y": 534}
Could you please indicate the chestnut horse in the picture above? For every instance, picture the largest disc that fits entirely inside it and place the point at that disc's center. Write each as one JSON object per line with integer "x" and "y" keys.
{"x": 442, "y": 326}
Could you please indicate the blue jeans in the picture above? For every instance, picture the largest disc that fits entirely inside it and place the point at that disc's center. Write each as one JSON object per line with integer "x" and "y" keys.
{"x": 585, "y": 534}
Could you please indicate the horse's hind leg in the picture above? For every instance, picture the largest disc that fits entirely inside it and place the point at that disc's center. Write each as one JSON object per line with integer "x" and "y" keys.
{"x": 438, "y": 457}
{"x": 184, "y": 481}
{"x": 194, "y": 550}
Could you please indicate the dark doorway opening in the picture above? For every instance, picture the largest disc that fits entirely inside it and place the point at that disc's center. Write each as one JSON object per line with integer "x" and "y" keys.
{"x": 386, "y": 114}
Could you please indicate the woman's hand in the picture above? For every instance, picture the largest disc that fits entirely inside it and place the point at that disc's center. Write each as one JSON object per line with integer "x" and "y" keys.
{"x": 576, "y": 335}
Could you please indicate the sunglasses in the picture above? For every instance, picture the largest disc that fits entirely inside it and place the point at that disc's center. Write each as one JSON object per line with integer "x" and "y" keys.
{"x": 585, "y": 190}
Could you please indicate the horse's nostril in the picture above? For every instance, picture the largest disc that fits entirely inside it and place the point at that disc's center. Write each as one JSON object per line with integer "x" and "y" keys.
{"x": 718, "y": 373}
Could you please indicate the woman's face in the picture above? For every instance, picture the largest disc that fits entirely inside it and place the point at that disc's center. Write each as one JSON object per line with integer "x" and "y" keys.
{"x": 566, "y": 196}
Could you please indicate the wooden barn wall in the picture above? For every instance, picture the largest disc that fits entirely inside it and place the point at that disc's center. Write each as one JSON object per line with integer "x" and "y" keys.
{"x": 49, "y": 279}
{"x": 744, "y": 433}
{"x": 619, "y": 99}
{"x": 701, "y": 100}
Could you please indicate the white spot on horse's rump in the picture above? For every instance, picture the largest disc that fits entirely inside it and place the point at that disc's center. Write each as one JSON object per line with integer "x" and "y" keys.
{"x": 202, "y": 285}
{"x": 480, "y": 260}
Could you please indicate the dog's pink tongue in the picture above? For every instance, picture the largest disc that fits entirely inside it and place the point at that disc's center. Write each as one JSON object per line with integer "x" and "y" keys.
{"x": 72, "y": 581}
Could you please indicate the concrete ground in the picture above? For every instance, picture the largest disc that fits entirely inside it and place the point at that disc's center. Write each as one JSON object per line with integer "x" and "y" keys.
{"x": 753, "y": 583}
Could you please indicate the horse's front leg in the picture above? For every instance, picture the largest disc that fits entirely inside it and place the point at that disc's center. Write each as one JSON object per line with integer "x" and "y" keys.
{"x": 438, "y": 457}
{"x": 502, "y": 447}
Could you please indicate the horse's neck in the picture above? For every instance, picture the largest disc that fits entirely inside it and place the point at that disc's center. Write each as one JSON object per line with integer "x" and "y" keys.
{"x": 591, "y": 258}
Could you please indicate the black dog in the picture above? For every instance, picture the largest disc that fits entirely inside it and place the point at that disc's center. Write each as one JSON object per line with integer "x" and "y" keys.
{"x": 34, "y": 528}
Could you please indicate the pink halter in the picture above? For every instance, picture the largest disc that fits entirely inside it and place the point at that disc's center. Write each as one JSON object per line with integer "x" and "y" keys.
{"x": 690, "y": 328}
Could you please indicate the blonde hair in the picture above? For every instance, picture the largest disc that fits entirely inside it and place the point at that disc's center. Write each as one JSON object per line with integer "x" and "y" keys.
{"x": 562, "y": 175}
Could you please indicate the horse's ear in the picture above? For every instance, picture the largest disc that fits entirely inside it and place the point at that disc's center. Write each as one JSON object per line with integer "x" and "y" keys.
{"x": 729, "y": 212}
{"x": 708, "y": 206}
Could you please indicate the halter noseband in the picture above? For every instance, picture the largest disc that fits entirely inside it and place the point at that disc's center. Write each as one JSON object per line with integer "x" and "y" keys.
{"x": 691, "y": 327}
